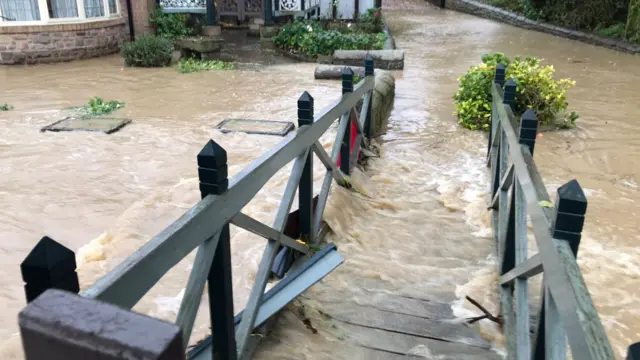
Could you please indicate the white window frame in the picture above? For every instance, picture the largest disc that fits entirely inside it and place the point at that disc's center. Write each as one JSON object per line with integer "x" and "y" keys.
{"x": 82, "y": 17}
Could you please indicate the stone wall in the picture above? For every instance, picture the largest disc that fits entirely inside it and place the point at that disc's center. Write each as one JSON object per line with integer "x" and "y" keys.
{"x": 56, "y": 43}
{"x": 382, "y": 102}
{"x": 490, "y": 12}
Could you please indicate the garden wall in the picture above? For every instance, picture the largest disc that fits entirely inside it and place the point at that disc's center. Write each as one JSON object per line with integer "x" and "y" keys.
{"x": 55, "y": 43}
{"x": 494, "y": 13}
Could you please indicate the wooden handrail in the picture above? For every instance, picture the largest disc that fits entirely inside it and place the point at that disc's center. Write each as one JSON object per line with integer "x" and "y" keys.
{"x": 517, "y": 191}
{"x": 206, "y": 227}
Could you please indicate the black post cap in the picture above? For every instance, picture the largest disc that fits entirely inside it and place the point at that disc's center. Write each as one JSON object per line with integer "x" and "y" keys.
{"x": 49, "y": 265}
{"x": 347, "y": 80}
{"x": 212, "y": 156}
{"x": 570, "y": 207}
{"x": 305, "y": 109}
{"x": 368, "y": 65}
{"x": 633, "y": 353}
{"x": 510, "y": 93}
{"x": 501, "y": 71}
{"x": 213, "y": 171}
{"x": 528, "y": 131}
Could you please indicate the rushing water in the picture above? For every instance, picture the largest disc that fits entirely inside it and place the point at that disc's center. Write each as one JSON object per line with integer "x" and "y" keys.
{"x": 422, "y": 221}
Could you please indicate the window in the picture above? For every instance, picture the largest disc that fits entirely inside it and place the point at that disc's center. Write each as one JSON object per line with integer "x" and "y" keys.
{"x": 17, "y": 12}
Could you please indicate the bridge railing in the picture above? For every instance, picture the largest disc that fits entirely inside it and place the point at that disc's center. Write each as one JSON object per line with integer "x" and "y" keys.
{"x": 205, "y": 227}
{"x": 517, "y": 190}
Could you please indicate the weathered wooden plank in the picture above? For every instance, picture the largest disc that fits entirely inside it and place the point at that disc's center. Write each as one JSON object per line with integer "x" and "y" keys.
{"x": 584, "y": 330}
{"x": 60, "y": 325}
{"x": 362, "y": 118}
{"x": 505, "y": 184}
{"x": 195, "y": 286}
{"x": 406, "y": 324}
{"x": 134, "y": 277}
{"x": 523, "y": 339}
{"x": 268, "y": 256}
{"x": 329, "y": 164}
{"x": 554, "y": 336}
{"x": 398, "y": 343}
{"x": 254, "y": 226}
{"x": 531, "y": 267}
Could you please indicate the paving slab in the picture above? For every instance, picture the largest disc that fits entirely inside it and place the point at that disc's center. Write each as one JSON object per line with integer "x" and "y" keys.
{"x": 100, "y": 124}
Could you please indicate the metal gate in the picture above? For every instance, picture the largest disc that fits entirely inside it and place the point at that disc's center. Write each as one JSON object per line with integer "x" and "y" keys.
{"x": 241, "y": 8}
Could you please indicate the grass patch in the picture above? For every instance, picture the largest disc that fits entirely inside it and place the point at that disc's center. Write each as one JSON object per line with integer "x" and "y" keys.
{"x": 96, "y": 107}
{"x": 6, "y": 107}
{"x": 191, "y": 65}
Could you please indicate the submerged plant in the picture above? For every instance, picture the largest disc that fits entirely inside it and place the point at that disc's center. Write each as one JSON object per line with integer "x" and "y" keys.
{"x": 190, "y": 65}
{"x": 96, "y": 107}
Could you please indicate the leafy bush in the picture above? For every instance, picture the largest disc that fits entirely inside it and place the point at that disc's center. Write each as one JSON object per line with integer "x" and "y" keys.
{"x": 535, "y": 89}
{"x": 96, "y": 107}
{"x": 190, "y": 65}
{"x": 147, "y": 51}
{"x": 170, "y": 26}
{"x": 311, "y": 38}
{"x": 614, "y": 31}
{"x": 5, "y": 107}
{"x": 371, "y": 21}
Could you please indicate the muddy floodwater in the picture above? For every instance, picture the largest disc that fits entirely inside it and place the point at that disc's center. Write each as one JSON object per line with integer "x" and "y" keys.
{"x": 105, "y": 195}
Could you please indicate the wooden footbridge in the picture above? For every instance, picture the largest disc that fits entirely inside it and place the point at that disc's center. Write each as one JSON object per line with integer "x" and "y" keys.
{"x": 59, "y": 323}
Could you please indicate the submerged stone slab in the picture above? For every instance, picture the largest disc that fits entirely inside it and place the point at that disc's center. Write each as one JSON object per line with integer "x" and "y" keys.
{"x": 261, "y": 127}
{"x": 100, "y": 124}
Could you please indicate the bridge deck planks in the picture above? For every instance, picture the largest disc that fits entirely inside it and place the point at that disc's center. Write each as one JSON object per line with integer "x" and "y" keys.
{"x": 404, "y": 326}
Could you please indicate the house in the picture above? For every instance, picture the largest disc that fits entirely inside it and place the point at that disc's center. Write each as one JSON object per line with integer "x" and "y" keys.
{"x": 39, "y": 31}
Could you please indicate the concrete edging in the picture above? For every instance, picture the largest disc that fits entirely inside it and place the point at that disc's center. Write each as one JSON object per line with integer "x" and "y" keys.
{"x": 491, "y": 12}
{"x": 383, "y": 93}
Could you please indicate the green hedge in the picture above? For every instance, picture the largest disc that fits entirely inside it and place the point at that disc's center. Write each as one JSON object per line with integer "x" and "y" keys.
{"x": 148, "y": 51}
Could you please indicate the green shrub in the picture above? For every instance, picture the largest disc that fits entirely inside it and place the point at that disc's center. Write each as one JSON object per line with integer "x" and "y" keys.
{"x": 5, "y": 107}
{"x": 190, "y": 65}
{"x": 371, "y": 21}
{"x": 147, "y": 51}
{"x": 582, "y": 14}
{"x": 96, "y": 107}
{"x": 311, "y": 38}
{"x": 614, "y": 31}
{"x": 170, "y": 26}
{"x": 535, "y": 89}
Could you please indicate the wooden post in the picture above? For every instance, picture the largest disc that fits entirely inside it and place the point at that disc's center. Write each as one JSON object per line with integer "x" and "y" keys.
{"x": 368, "y": 71}
{"x": 529, "y": 129}
{"x": 510, "y": 94}
{"x": 49, "y": 265}
{"x": 498, "y": 79}
{"x": 501, "y": 72}
{"x": 345, "y": 149}
{"x": 213, "y": 176}
{"x": 568, "y": 221}
{"x": 60, "y": 325}
{"x": 305, "y": 188}
{"x": 211, "y": 16}
{"x": 633, "y": 353}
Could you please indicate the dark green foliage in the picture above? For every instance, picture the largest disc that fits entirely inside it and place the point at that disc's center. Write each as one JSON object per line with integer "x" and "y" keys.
{"x": 311, "y": 39}
{"x": 147, "y": 51}
{"x": 371, "y": 22}
{"x": 5, "y": 107}
{"x": 614, "y": 31}
{"x": 575, "y": 14}
{"x": 170, "y": 26}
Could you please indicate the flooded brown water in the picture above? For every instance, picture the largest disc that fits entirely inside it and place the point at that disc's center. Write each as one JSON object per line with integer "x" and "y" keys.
{"x": 423, "y": 225}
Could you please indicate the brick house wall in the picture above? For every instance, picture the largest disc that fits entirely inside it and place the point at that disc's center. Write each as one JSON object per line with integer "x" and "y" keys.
{"x": 65, "y": 42}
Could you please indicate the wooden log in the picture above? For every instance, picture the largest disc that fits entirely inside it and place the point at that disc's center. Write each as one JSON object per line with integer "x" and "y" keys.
{"x": 334, "y": 72}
